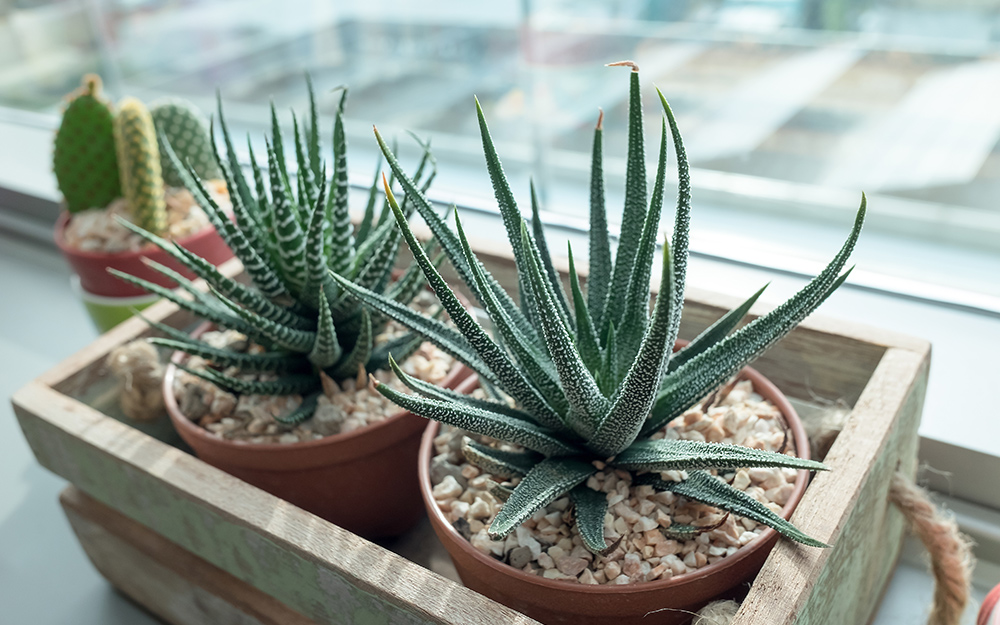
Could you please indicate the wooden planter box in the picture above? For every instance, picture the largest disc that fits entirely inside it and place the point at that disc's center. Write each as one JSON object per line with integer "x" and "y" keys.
{"x": 196, "y": 545}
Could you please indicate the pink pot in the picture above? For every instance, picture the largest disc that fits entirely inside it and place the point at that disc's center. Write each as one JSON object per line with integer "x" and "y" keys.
{"x": 665, "y": 602}
{"x": 92, "y": 267}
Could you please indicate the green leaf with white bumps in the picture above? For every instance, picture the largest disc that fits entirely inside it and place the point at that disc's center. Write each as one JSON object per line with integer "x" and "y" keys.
{"x": 545, "y": 482}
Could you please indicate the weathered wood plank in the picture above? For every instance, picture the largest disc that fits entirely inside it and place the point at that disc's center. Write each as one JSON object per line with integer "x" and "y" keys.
{"x": 312, "y": 566}
{"x": 849, "y": 508}
{"x": 170, "y": 582}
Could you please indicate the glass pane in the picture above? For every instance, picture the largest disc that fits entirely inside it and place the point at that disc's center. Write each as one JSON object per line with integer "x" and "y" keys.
{"x": 802, "y": 96}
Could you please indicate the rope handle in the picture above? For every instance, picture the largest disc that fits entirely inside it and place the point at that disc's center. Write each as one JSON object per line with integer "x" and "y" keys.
{"x": 950, "y": 552}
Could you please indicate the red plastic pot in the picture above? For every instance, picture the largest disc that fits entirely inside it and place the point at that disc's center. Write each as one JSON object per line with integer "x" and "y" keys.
{"x": 92, "y": 267}
{"x": 989, "y": 611}
{"x": 364, "y": 481}
{"x": 666, "y": 602}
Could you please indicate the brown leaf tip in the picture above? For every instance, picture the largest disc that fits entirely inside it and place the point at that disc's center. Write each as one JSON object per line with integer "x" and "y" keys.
{"x": 632, "y": 64}
{"x": 600, "y": 119}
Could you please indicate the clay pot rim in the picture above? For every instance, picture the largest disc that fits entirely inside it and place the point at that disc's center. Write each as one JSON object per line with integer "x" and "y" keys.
{"x": 761, "y": 383}
{"x": 60, "y": 240}
{"x": 457, "y": 373}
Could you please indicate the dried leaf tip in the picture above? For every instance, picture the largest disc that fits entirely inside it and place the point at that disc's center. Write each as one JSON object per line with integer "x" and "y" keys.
{"x": 632, "y": 64}
{"x": 373, "y": 381}
{"x": 600, "y": 119}
{"x": 388, "y": 189}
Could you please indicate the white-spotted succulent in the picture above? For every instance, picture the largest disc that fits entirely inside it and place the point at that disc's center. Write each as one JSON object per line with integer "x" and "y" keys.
{"x": 592, "y": 376}
{"x": 290, "y": 232}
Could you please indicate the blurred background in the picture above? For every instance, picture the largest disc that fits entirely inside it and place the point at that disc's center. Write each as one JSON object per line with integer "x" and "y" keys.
{"x": 789, "y": 108}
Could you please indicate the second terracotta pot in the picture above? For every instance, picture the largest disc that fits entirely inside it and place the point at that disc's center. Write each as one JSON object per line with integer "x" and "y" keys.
{"x": 364, "y": 481}
{"x": 663, "y": 602}
{"x": 92, "y": 267}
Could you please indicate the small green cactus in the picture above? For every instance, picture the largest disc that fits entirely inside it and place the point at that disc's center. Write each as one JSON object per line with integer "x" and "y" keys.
{"x": 186, "y": 129}
{"x": 84, "y": 157}
{"x": 139, "y": 165}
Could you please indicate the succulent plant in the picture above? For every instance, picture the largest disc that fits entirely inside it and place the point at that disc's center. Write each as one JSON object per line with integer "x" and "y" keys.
{"x": 186, "y": 130}
{"x": 592, "y": 377}
{"x": 290, "y": 232}
{"x": 84, "y": 157}
{"x": 139, "y": 165}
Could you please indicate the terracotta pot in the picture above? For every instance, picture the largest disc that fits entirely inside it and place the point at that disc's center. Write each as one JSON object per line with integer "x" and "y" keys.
{"x": 553, "y": 602}
{"x": 364, "y": 481}
{"x": 92, "y": 267}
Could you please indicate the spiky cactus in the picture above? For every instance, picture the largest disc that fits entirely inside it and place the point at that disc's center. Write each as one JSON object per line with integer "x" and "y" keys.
{"x": 593, "y": 376}
{"x": 186, "y": 130}
{"x": 139, "y": 164}
{"x": 84, "y": 157}
{"x": 290, "y": 232}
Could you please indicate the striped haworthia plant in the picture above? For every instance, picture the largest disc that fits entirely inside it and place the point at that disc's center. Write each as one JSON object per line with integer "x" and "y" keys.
{"x": 591, "y": 374}
{"x": 290, "y": 232}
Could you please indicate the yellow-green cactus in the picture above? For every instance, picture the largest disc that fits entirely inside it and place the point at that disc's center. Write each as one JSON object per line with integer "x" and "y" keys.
{"x": 139, "y": 164}
{"x": 84, "y": 157}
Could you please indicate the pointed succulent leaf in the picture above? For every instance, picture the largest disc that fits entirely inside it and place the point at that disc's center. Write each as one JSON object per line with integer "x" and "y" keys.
{"x": 481, "y": 421}
{"x": 705, "y": 488}
{"x": 672, "y": 454}
{"x": 504, "y": 464}
{"x": 682, "y": 217}
{"x": 182, "y": 282}
{"x": 586, "y": 337}
{"x": 545, "y": 482}
{"x": 316, "y": 273}
{"x": 609, "y": 368}
{"x": 326, "y": 349}
{"x": 633, "y": 399}
{"x": 217, "y": 315}
{"x": 274, "y": 362}
{"x": 341, "y": 232}
{"x": 634, "y": 213}
{"x": 306, "y": 179}
{"x": 714, "y": 333}
{"x": 264, "y": 212}
{"x": 286, "y": 385}
{"x": 406, "y": 288}
{"x": 543, "y": 248}
{"x": 511, "y": 378}
{"x": 449, "y": 242}
{"x": 305, "y": 411}
{"x": 287, "y": 230}
{"x": 705, "y": 372}
{"x": 281, "y": 335}
{"x": 537, "y": 365}
{"x": 242, "y": 189}
{"x": 636, "y": 312}
{"x": 280, "y": 167}
{"x": 260, "y": 272}
{"x": 244, "y": 204}
{"x": 590, "y": 506}
{"x": 359, "y": 354}
{"x": 600, "y": 246}
{"x": 436, "y": 392}
{"x": 586, "y": 402}
{"x": 432, "y": 330}
{"x": 312, "y": 132}
{"x": 242, "y": 294}
{"x": 365, "y": 227}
